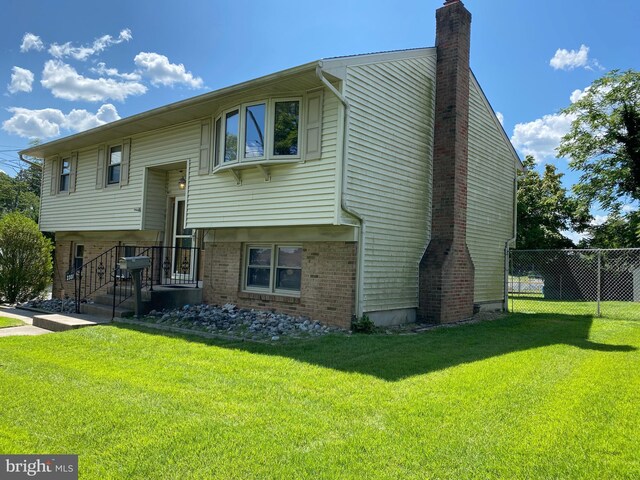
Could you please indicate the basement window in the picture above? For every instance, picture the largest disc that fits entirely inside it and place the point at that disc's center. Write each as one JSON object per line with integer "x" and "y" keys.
{"x": 273, "y": 269}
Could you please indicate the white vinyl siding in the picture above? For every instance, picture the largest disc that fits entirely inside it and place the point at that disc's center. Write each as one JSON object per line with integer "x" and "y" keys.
{"x": 490, "y": 197}
{"x": 389, "y": 176}
{"x": 117, "y": 208}
{"x": 299, "y": 193}
{"x": 155, "y": 200}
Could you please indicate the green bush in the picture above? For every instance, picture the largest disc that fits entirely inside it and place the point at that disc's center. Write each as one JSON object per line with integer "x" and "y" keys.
{"x": 362, "y": 324}
{"x": 25, "y": 259}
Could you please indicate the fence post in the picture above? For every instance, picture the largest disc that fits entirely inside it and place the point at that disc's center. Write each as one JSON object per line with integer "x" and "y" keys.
{"x": 599, "y": 282}
{"x": 505, "y": 306}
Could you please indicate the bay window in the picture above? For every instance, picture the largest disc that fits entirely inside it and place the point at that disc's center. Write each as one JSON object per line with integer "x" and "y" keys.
{"x": 267, "y": 130}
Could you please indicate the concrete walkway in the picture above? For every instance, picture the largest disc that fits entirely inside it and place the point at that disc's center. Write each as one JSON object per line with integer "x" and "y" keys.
{"x": 24, "y": 315}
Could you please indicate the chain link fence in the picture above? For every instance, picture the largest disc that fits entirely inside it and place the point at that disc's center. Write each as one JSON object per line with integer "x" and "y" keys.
{"x": 597, "y": 281}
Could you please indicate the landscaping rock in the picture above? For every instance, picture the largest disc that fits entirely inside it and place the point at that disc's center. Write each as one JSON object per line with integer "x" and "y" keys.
{"x": 244, "y": 323}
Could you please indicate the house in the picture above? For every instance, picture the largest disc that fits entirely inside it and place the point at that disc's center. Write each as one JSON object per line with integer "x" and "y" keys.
{"x": 379, "y": 184}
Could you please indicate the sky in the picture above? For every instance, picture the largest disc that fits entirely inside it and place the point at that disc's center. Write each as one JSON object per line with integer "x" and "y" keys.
{"x": 68, "y": 65}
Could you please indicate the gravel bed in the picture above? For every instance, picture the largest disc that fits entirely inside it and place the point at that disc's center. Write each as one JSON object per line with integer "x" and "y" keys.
{"x": 240, "y": 322}
{"x": 55, "y": 305}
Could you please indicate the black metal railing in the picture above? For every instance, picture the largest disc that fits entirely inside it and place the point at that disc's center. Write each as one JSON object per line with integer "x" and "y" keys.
{"x": 93, "y": 275}
{"x": 169, "y": 266}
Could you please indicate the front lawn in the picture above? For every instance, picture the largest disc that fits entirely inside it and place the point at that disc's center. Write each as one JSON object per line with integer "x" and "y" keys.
{"x": 527, "y": 396}
{"x": 10, "y": 322}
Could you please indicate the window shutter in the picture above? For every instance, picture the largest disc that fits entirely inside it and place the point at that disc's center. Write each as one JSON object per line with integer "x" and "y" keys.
{"x": 205, "y": 147}
{"x": 313, "y": 126}
{"x": 73, "y": 169}
{"x": 54, "y": 175}
{"x": 124, "y": 164}
{"x": 100, "y": 168}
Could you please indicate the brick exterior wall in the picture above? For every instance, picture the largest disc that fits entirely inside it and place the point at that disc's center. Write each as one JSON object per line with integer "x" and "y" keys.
{"x": 446, "y": 270}
{"x": 327, "y": 290}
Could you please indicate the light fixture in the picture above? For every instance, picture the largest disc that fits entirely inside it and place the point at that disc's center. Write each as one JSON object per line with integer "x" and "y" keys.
{"x": 182, "y": 183}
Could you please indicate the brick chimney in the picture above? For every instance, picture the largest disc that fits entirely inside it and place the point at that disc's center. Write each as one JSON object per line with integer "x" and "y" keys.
{"x": 446, "y": 269}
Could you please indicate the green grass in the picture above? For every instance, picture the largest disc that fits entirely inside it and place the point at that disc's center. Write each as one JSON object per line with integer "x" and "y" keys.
{"x": 528, "y": 396}
{"x": 532, "y": 303}
{"x": 10, "y": 322}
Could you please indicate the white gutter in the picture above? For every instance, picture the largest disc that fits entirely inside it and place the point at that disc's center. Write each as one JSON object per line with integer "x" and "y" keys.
{"x": 342, "y": 159}
{"x": 33, "y": 164}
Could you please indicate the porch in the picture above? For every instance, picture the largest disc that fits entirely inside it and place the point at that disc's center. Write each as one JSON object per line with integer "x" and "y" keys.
{"x": 101, "y": 288}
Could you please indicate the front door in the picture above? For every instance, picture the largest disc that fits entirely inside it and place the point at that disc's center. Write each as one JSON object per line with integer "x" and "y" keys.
{"x": 183, "y": 241}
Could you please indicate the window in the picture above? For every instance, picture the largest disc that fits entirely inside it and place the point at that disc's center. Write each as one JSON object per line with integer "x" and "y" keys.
{"x": 114, "y": 161}
{"x": 65, "y": 172}
{"x": 254, "y": 131}
{"x": 274, "y": 268}
{"x": 231, "y": 129}
{"x": 258, "y": 131}
{"x": 78, "y": 256}
{"x": 285, "y": 127}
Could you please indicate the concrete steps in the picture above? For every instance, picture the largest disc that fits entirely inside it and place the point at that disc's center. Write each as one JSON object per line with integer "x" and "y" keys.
{"x": 105, "y": 310}
{"x": 160, "y": 298}
{"x": 56, "y": 322}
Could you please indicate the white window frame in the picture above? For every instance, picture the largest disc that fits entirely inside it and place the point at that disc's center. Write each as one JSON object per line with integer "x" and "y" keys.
{"x": 76, "y": 248}
{"x": 61, "y": 174}
{"x": 223, "y": 135}
{"x": 108, "y": 165}
{"x": 272, "y": 290}
{"x": 269, "y": 132}
{"x": 272, "y": 120}
{"x": 243, "y": 131}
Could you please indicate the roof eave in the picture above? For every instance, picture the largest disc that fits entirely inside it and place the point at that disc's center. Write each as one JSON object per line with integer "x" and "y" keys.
{"x": 123, "y": 126}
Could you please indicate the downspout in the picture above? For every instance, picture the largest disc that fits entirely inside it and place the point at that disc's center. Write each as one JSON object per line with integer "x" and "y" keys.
{"x": 343, "y": 176}
{"x": 511, "y": 240}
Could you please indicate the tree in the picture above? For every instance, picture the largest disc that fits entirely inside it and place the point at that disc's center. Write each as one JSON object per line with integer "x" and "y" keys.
{"x": 604, "y": 140}
{"x": 617, "y": 231}
{"x": 545, "y": 209}
{"x": 17, "y": 194}
{"x": 25, "y": 259}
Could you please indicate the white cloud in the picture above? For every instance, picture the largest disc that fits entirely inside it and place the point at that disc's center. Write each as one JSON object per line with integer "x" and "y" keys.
{"x": 541, "y": 137}
{"x": 500, "y": 117}
{"x": 31, "y": 42}
{"x": 101, "y": 69}
{"x": 34, "y": 123}
{"x": 161, "y": 72}
{"x": 570, "y": 59}
{"x": 578, "y": 94}
{"x": 575, "y": 237}
{"x": 21, "y": 80}
{"x": 598, "y": 220}
{"x": 85, "y": 51}
{"x": 65, "y": 82}
{"x": 49, "y": 122}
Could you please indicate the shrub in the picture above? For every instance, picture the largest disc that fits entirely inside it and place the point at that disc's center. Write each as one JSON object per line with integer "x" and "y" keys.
{"x": 362, "y": 324}
{"x": 25, "y": 259}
